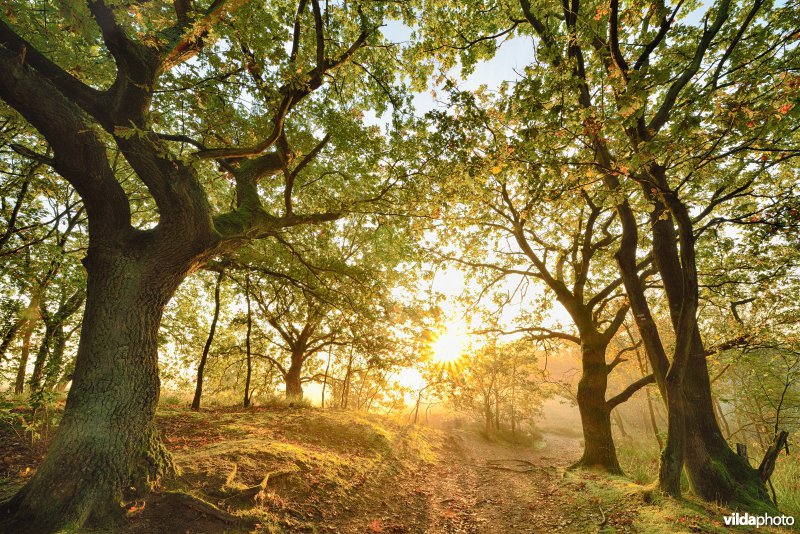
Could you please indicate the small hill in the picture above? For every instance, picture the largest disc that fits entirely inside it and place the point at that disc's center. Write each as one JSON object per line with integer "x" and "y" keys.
{"x": 282, "y": 469}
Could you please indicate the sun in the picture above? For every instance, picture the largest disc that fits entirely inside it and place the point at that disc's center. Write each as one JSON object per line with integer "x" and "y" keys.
{"x": 451, "y": 344}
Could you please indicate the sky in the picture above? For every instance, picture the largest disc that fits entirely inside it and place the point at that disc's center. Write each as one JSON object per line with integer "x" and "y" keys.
{"x": 510, "y": 59}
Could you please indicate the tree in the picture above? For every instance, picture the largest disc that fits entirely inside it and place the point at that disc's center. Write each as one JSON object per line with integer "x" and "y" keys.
{"x": 543, "y": 227}
{"x": 136, "y": 260}
{"x": 666, "y": 133}
{"x": 198, "y": 392}
{"x": 501, "y": 382}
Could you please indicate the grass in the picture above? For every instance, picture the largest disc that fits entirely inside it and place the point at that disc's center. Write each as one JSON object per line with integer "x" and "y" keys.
{"x": 288, "y": 468}
{"x": 639, "y": 461}
{"x": 300, "y": 469}
{"x": 786, "y": 481}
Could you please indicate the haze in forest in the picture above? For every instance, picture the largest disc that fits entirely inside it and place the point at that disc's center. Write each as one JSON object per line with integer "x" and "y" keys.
{"x": 399, "y": 266}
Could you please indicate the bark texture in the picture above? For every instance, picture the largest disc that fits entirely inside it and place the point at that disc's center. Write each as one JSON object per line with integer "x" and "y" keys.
{"x": 599, "y": 450}
{"x": 107, "y": 439}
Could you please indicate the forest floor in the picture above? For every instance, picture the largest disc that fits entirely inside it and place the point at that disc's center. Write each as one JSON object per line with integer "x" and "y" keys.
{"x": 306, "y": 470}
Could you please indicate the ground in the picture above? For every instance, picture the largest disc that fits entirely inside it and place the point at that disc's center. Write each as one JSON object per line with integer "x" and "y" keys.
{"x": 306, "y": 470}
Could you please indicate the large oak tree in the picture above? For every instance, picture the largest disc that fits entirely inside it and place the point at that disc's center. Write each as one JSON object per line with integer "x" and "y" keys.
{"x": 211, "y": 108}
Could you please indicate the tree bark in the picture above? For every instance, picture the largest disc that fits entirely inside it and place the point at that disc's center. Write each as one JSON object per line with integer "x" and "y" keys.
{"x": 31, "y": 314}
{"x": 715, "y": 472}
{"x": 107, "y": 439}
{"x": 598, "y": 449}
{"x": 294, "y": 388}
{"x": 198, "y": 390}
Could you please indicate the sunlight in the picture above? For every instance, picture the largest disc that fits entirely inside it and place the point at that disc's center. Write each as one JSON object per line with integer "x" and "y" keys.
{"x": 410, "y": 378}
{"x": 450, "y": 345}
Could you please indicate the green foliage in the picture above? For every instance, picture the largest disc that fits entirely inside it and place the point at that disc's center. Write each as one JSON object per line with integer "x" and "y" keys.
{"x": 500, "y": 384}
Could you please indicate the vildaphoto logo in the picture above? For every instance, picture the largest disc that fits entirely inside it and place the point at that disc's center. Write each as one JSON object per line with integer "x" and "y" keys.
{"x": 758, "y": 521}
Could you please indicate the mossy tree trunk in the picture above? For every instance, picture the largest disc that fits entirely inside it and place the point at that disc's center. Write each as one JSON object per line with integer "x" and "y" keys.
{"x": 107, "y": 438}
{"x": 716, "y": 473}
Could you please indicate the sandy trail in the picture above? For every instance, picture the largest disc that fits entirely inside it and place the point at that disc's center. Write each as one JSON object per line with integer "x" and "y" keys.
{"x": 478, "y": 486}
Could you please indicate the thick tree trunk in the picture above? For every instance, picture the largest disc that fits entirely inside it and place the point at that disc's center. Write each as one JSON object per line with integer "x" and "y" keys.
{"x": 294, "y": 388}
{"x": 107, "y": 440}
{"x": 598, "y": 449}
{"x": 674, "y": 452}
{"x": 716, "y": 473}
{"x": 198, "y": 390}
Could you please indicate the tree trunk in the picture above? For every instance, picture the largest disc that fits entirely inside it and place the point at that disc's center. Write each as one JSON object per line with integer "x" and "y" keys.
{"x": 248, "y": 350}
{"x": 674, "y": 452}
{"x": 325, "y": 379}
{"x": 487, "y": 406}
{"x": 31, "y": 315}
{"x": 653, "y": 422}
{"x": 51, "y": 349}
{"x": 620, "y": 423}
{"x": 513, "y": 399}
{"x": 496, "y": 411}
{"x": 41, "y": 356}
{"x": 346, "y": 384}
{"x": 9, "y": 336}
{"x": 294, "y": 388}
{"x": 361, "y": 387}
{"x": 107, "y": 440}
{"x": 598, "y": 449}
{"x": 721, "y": 417}
{"x": 716, "y": 473}
{"x": 198, "y": 390}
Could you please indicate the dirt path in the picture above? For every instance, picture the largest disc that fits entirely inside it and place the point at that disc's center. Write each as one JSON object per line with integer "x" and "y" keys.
{"x": 477, "y": 486}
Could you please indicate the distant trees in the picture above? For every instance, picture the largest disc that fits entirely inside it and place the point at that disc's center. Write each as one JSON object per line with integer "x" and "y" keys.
{"x": 501, "y": 383}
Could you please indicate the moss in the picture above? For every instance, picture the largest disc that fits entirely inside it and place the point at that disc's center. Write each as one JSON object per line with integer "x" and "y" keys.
{"x": 285, "y": 464}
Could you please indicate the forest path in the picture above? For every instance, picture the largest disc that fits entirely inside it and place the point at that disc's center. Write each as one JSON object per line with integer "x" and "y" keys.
{"x": 479, "y": 486}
